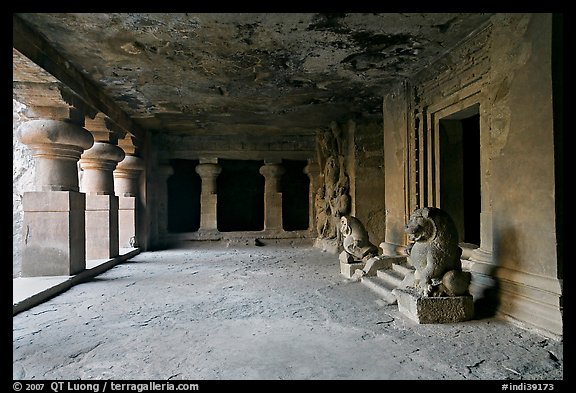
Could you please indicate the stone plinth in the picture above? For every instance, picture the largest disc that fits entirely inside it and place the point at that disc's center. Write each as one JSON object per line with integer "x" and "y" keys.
{"x": 54, "y": 229}
{"x": 348, "y": 269}
{"x": 102, "y": 238}
{"x": 424, "y": 310}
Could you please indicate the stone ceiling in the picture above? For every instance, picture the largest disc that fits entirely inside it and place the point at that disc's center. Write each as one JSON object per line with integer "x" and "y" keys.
{"x": 249, "y": 73}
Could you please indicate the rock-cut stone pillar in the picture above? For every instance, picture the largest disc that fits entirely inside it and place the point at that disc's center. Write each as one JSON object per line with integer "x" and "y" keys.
{"x": 312, "y": 170}
{"x": 54, "y": 214}
{"x": 272, "y": 195}
{"x": 208, "y": 198}
{"x": 98, "y": 164}
{"x": 126, "y": 178}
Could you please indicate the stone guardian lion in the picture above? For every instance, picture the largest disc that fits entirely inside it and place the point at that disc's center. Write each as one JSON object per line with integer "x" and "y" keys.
{"x": 355, "y": 239}
{"x": 435, "y": 254}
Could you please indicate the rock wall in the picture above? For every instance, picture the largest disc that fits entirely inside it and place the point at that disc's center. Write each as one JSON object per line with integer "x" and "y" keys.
{"x": 22, "y": 181}
{"x": 504, "y": 70}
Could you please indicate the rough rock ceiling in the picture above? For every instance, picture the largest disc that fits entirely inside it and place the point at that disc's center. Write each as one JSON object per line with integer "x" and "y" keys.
{"x": 205, "y": 73}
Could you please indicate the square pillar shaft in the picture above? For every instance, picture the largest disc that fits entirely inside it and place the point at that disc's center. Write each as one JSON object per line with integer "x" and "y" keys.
{"x": 127, "y": 222}
{"x": 102, "y": 237}
{"x": 272, "y": 173}
{"x": 208, "y": 209}
{"x": 272, "y": 210}
{"x": 54, "y": 229}
{"x": 208, "y": 169}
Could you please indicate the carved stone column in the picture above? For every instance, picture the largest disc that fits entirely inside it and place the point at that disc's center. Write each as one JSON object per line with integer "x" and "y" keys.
{"x": 208, "y": 172}
{"x": 126, "y": 178}
{"x": 312, "y": 170}
{"x": 272, "y": 195}
{"x": 54, "y": 219}
{"x": 164, "y": 171}
{"x": 98, "y": 164}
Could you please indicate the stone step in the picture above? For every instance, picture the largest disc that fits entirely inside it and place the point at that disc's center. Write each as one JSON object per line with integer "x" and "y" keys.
{"x": 402, "y": 269}
{"x": 391, "y": 277}
{"x": 381, "y": 287}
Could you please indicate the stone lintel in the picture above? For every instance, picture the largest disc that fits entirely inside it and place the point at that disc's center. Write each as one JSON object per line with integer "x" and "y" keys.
{"x": 208, "y": 160}
{"x": 424, "y": 310}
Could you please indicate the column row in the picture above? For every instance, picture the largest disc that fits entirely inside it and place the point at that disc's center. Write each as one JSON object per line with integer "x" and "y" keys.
{"x": 209, "y": 171}
{"x": 68, "y": 220}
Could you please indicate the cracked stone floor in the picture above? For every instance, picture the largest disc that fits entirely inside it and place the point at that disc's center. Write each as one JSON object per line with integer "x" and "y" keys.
{"x": 218, "y": 311}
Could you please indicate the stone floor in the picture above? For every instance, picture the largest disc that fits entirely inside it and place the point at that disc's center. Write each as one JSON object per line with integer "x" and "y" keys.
{"x": 218, "y": 311}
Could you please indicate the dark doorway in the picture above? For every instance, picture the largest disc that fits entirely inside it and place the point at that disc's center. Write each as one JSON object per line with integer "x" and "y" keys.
{"x": 295, "y": 187}
{"x": 240, "y": 196}
{"x": 460, "y": 172}
{"x": 184, "y": 187}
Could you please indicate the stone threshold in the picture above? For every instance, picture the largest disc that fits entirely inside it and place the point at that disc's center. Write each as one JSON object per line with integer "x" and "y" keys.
{"x": 28, "y": 292}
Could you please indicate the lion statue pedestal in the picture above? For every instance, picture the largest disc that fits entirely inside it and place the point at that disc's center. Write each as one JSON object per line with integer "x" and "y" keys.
{"x": 438, "y": 290}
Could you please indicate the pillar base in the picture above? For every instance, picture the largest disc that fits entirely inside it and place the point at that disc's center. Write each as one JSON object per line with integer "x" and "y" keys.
{"x": 422, "y": 309}
{"x": 127, "y": 222}
{"x": 54, "y": 228}
{"x": 102, "y": 238}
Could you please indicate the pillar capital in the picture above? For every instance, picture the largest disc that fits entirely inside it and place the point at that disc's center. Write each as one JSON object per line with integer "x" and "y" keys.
{"x": 272, "y": 173}
{"x": 312, "y": 169}
{"x": 126, "y": 175}
{"x": 98, "y": 164}
{"x": 56, "y": 147}
{"x": 272, "y": 170}
{"x": 165, "y": 170}
{"x": 208, "y": 170}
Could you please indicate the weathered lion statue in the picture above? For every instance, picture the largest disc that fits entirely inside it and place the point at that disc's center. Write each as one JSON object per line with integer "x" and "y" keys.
{"x": 355, "y": 239}
{"x": 435, "y": 254}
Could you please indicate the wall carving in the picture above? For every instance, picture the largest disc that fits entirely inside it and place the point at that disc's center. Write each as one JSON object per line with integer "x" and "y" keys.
{"x": 332, "y": 200}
